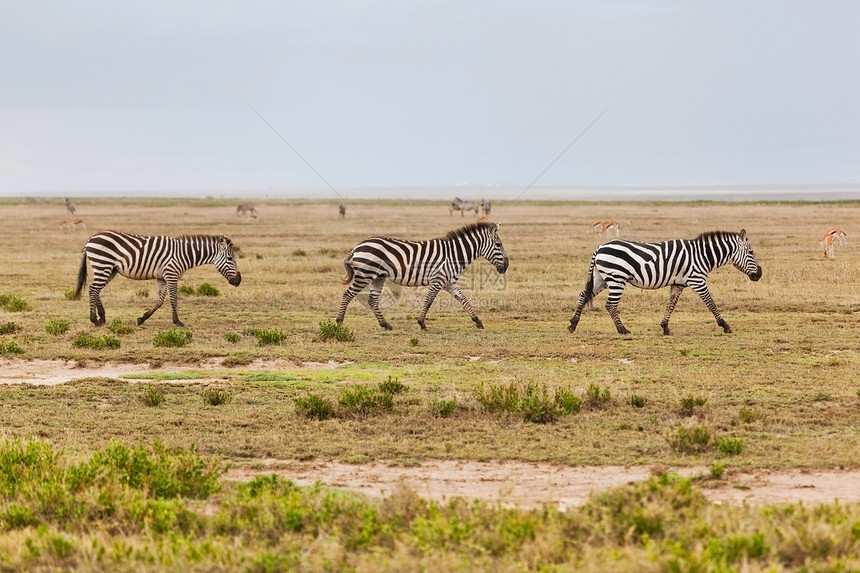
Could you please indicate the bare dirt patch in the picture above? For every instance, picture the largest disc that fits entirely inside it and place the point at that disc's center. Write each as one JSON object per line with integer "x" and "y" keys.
{"x": 532, "y": 484}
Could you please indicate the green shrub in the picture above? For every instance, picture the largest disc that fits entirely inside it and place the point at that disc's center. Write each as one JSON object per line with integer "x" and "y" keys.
{"x": 730, "y": 446}
{"x": 533, "y": 402}
{"x": 331, "y": 253}
{"x": 314, "y": 407}
{"x": 13, "y": 303}
{"x": 186, "y": 290}
{"x": 10, "y": 347}
{"x": 207, "y": 289}
{"x": 299, "y": 253}
{"x": 330, "y": 329}
{"x": 216, "y": 396}
{"x": 143, "y": 292}
{"x": 749, "y": 415}
{"x": 718, "y": 469}
{"x": 637, "y": 401}
{"x": 596, "y": 397}
{"x": 413, "y": 341}
{"x": 689, "y": 404}
{"x": 57, "y": 326}
{"x": 96, "y": 342}
{"x": 152, "y": 396}
{"x": 12, "y": 328}
{"x": 120, "y": 328}
{"x": 173, "y": 338}
{"x": 392, "y": 386}
{"x": 443, "y": 408}
{"x": 232, "y": 337}
{"x": 362, "y": 400}
{"x": 266, "y": 336}
{"x": 691, "y": 440}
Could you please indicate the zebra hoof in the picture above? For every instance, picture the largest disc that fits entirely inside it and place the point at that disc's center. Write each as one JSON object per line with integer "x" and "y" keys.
{"x": 421, "y": 324}
{"x": 140, "y": 320}
{"x": 386, "y": 326}
{"x": 622, "y": 330}
{"x": 479, "y": 324}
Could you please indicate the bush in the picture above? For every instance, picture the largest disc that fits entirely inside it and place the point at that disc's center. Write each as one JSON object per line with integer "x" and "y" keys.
{"x": 532, "y": 402}
{"x": 314, "y": 407}
{"x": 692, "y": 440}
{"x": 443, "y": 408}
{"x": 96, "y": 342}
{"x": 731, "y": 446}
{"x": 392, "y": 386}
{"x": 362, "y": 400}
{"x": 216, "y": 396}
{"x": 637, "y": 401}
{"x": 152, "y": 396}
{"x": 57, "y": 326}
{"x": 299, "y": 253}
{"x": 331, "y": 253}
{"x": 12, "y": 328}
{"x": 13, "y": 303}
{"x": 689, "y": 404}
{"x": 173, "y": 338}
{"x": 10, "y": 347}
{"x": 596, "y": 397}
{"x": 749, "y": 415}
{"x": 330, "y": 329}
{"x": 207, "y": 289}
{"x": 186, "y": 290}
{"x": 266, "y": 336}
{"x": 232, "y": 337}
{"x": 118, "y": 327}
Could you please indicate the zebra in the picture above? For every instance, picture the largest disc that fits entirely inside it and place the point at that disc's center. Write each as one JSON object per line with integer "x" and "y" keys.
{"x": 158, "y": 257}
{"x": 677, "y": 264}
{"x": 436, "y": 263}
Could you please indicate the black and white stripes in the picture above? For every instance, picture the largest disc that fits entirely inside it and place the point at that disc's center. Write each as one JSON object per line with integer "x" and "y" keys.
{"x": 436, "y": 263}
{"x": 678, "y": 263}
{"x": 159, "y": 257}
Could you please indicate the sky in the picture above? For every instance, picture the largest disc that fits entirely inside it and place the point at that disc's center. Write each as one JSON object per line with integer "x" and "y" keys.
{"x": 178, "y": 96}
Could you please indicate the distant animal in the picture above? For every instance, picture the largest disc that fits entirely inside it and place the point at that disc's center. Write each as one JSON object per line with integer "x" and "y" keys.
{"x": 245, "y": 210}
{"x": 435, "y": 263}
{"x": 64, "y": 225}
{"x": 486, "y": 206}
{"x": 341, "y": 209}
{"x": 600, "y": 227}
{"x": 67, "y": 225}
{"x": 70, "y": 207}
{"x": 677, "y": 264}
{"x": 459, "y": 205}
{"x": 162, "y": 258}
{"x": 828, "y": 241}
{"x": 79, "y": 224}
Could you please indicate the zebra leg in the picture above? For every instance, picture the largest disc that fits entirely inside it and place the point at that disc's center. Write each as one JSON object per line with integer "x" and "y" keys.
{"x": 455, "y": 291}
{"x": 616, "y": 289}
{"x": 592, "y": 288}
{"x": 357, "y": 285}
{"x": 373, "y": 300}
{"x": 428, "y": 300}
{"x": 673, "y": 300}
{"x": 97, "y": 309}
{"x": 162, "y": 291}
{"x": 173, "y": 290}
{"x": 702, "y": 290}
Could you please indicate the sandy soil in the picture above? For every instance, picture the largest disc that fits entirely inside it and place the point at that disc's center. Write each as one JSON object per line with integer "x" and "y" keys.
{"x": 523, "y": 484}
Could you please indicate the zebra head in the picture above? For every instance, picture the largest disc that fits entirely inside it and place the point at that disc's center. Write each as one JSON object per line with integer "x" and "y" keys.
{"x": 225, "y": 260}
{"x": 491, "y": 247}
{"x": 743, "y": 257}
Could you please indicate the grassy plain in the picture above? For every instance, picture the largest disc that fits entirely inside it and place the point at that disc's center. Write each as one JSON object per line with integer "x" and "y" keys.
{"x": 783, "y": 390}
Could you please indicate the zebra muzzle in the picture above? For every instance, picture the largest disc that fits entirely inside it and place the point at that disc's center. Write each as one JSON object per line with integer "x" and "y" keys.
{"x": 756, "y": 275}
{"x": 503, "y": 266}
{"x": 235, "y": 280}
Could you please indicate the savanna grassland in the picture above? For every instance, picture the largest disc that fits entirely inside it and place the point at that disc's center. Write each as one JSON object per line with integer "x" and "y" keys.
{"x": 257, "y": 378}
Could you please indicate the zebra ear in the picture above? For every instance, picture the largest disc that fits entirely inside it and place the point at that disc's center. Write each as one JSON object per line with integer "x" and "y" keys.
{"x": 743, "y": 234}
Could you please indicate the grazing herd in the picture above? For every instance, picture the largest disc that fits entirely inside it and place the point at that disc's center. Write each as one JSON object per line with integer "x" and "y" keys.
{"x": 436, "y": 264}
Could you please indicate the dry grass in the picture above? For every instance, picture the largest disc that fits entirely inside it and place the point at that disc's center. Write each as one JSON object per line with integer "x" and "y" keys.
{"x": 793, "y": 356}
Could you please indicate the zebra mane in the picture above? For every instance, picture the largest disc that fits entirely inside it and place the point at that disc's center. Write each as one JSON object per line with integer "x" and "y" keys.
{"x": 715, "y": 235}
{"x": 201, "y": 236}
{"x": 471, "y": 229}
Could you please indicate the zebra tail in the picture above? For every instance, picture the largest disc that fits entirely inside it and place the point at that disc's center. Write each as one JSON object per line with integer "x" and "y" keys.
{"x": 588, "y": 292}
{"x": 82, "y": 277}
{"x": 350, "y": 272}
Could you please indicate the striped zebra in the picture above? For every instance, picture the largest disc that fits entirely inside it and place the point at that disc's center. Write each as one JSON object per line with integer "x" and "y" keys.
{"x": 677, "y": 264}
{"x": 162, "y": 258}
{"x": 436, "y": 263}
